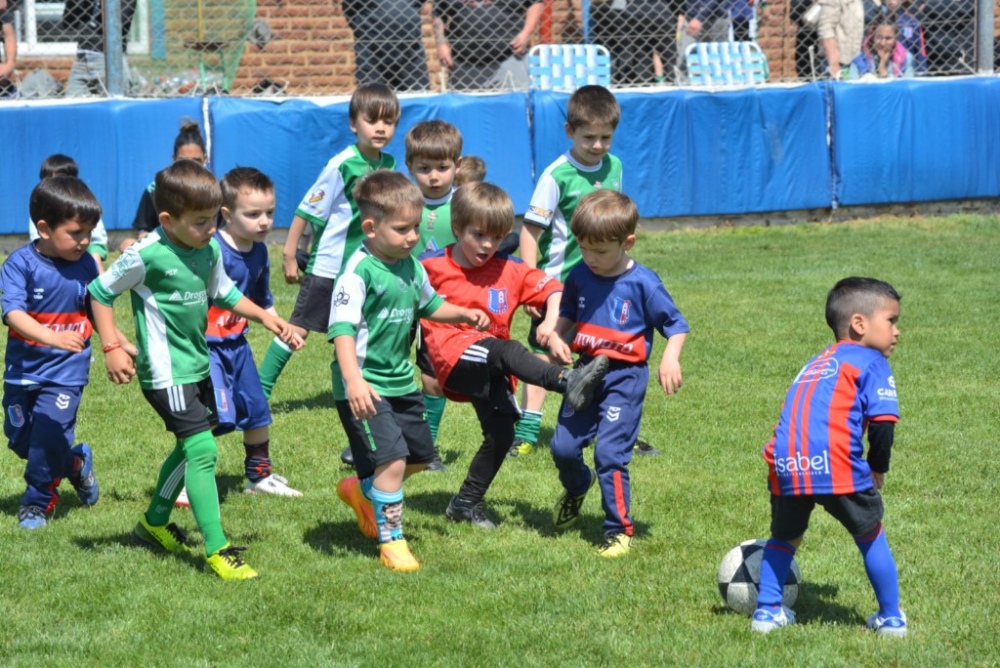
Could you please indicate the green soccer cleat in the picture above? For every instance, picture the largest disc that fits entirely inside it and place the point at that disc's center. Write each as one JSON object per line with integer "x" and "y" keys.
{"x": 229, "y": 565}
{"x": 168, "y": 538}
{"x": 520, "y": 448}
{"x": 567, "y": 508}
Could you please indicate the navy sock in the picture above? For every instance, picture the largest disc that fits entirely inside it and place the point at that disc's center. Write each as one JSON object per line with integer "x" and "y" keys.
{"x": 257, "y": 463}
{"x": 881, "y": 569}
{"x": 774, "y": 567}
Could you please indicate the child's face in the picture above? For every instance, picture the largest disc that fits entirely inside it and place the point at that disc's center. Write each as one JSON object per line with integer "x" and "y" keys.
{"x": 434, "y": 177}
{"x": 606, "y": 258}
{"x": 884, "y": 39}
{"x": 591, "y": 142}
{"x": 192, "y": 229}
{"x": 879, "y": 331}
{"x": 474, "y": 247}
{"x": 374, "y": 134}
{"x": 252, "y": 216}
{"x": 68, "y": 241}
{"x": 393, "y": 238}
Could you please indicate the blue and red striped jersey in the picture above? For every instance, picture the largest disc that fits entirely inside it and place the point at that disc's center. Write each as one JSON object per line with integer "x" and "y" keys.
{"x": 251, "y": 272}
{"x": 54, "y": 293}
{"x": 817, "y": 446}
{"x": 617, "y": 316}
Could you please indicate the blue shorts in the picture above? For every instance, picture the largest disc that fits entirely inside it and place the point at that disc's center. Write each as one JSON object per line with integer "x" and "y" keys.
{"x": 239, "y": 399}
{"x": 40, "y": 425}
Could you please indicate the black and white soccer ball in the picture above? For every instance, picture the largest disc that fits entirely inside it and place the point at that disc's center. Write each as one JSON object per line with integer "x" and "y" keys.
{"x": 739, "y": 577}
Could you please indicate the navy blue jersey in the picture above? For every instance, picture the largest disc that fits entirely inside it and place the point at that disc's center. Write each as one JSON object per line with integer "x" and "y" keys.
{"x": 616, "y": 316}
{"x": 251, "y": 272}
{"x": 54, "y": 293}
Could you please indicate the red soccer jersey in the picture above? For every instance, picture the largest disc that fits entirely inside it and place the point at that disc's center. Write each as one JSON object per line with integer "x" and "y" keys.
{"x": 498, "y": 288}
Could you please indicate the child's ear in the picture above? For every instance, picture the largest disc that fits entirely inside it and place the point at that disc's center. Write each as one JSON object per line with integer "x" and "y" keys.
{"x": 368, "y": 226}
{"x": 44, "y": 230}
{"x": 164, "y": 218}
{"x": 569, "y": 131}
{"x": 629, "y": 243}
{"x": 226, "y": 215}
{"x": 858, "y": 324}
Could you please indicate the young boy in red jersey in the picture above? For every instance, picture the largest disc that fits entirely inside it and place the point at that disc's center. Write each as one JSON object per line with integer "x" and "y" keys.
{"x": 477, "y": 366}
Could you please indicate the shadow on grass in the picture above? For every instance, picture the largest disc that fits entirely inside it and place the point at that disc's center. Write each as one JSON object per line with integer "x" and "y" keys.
{"x": 67, "y": 502}
{"x": 322, "y": 400}
{"x": 326, "y": 537}
{"x": 815, "y": 605}
{"x": 226, "y": 483}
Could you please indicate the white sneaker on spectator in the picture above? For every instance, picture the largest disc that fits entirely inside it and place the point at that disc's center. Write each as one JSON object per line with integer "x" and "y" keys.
{"x": 182, "y": 499}
{"x": 272, "y": 484}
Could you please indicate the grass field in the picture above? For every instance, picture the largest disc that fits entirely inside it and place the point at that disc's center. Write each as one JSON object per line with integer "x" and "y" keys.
{"x": 78, "y": 591}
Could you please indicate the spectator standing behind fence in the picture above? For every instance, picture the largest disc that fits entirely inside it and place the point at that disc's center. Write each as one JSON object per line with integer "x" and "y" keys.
{"x": 706, "y": 21}
{"x": 9, "y": 60}
{"x": 633, "y": 32}
{"x": 485, "y": 44}
{"x": 883, "y": 57}
{"x": 388, "y": 48}
{"x": 85, "y": 18}
{"x": 801, "y": 12}
{"x": 841, "y": 30}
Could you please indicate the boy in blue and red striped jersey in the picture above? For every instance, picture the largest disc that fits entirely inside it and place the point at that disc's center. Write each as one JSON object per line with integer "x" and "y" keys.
{"x": 46, "y": 306}
{"x": 611, "y": 306}
{"x": 816, "y": 453}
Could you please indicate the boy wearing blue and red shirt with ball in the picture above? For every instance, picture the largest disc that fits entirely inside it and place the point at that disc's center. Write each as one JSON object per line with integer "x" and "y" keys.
{"x": 611, "y": 306}
{"x": 816, "y": 453}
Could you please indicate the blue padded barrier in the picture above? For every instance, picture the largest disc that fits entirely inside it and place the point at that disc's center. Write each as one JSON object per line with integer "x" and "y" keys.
{"x": 697, "y": 153}
{"x": 917, "y": 140}
{"x": 292, "y": 140}
{"x": 118, "y": 144}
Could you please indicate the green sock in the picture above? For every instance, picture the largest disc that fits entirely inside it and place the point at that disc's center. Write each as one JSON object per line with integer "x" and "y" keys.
{"x": 277, "y": 356}
{"x": 435, "y": 411}
{"x": 201, "y": 454}
{"x": 528, "y": 426}
{"x": 168, "y": 487}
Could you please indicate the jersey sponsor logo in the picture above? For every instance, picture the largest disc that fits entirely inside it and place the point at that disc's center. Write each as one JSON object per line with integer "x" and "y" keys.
{"x": 189, "y": 298}
{"x": 496, "y": 300}
{"x": 341, "y": 298}
{"x": 539, "y": 212}
{"x": 817, "y": 371}
{"x": 397, "y": 315}
{"x": 122, "y": 265}
{"x": 540, "y": 285}
{"x": 170, "y": 272}
{"x": 62, "y": 401}
{"x": 620, "y": 310}
{"x": 16, "y": 415}
{"x": 815, "y": 465}
{"x": 591, "y": 342}
{"x": 581, "y": 302}
{"x": 316, "y": 196}
{"x": 39, "y": 293}
{"x": 383, "y": 314}
{"x": 176, "y": 297}
{"x": 614, "y": 412}
{"x": 888, "y": 393}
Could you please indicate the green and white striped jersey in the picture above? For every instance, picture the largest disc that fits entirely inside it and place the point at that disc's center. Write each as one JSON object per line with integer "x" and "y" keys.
{"x": 557, "y": 193}
{"x": 330, "y": 208}
{"x": 170, "y": 289}
{"x": 376, "y": 303}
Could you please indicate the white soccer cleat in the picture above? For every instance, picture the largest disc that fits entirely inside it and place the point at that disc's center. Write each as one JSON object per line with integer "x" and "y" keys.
{"x": 272, "y": 484}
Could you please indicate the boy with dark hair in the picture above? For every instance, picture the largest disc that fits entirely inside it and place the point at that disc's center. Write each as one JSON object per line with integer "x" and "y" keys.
{"x": 45, "y": 305}
{"x": 381, "y": 289}
{"x": 330, "y": 209}
{"x": 816, "y": 454}
{"x": 480, "y": 366}
{"x": 592, "y": 115}
{"x": 611, "y": 307}
{"x": 172, "y": 273}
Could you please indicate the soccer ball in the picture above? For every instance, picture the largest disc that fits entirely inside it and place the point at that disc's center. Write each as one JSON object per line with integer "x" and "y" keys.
{"x": 739, "y": 577}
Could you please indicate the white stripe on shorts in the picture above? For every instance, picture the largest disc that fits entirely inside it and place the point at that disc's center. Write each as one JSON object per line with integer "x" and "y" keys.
{"x": 475, "y": 354}
{"x": 175, "y": 396}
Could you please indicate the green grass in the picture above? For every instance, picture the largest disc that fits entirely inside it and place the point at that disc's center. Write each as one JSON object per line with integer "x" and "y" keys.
{"x": 78, "y": 591}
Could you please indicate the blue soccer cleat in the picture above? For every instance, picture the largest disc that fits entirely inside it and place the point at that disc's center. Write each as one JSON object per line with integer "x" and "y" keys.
{"x": 84, "y": 481}
{"x": 765, "y": 620}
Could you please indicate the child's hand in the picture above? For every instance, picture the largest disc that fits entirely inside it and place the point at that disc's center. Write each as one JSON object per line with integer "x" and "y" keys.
{"x": 284, "y": 330}
{"x": 120, "y": 366}
{"x": 670, "y": 376}
{"x": 359, "y": 396}
{"x": 290, "y": 267}
{"x": 478, "y": 319}
{"x": 67, "y": 340}
{"x": 879, "y": 479}
{"x": 532, "y": 311}
{"x": 560, "y": 350}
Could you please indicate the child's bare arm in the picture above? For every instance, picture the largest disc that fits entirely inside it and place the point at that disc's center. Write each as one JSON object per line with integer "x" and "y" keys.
{"x": 359, "y": 392}
{"x": 546, "y": 331}
{"x": 118, "y": 361}
{"x": 289, "y": 265}
{"x": 251, "y": 311}
{"x": 31, "y": 329}
{"x": 670, "y": 366}
{"x": 459, "y": 315}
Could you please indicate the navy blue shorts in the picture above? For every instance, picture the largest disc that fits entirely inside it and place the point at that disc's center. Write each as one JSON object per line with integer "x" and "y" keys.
{"x": 399, "y": 430}
{"x": 859, "y": 512}
{"x": 239, "y": 397}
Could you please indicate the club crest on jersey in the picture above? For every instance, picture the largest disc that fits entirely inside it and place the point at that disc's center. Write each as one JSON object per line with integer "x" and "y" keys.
{"x": 496, "y": 300}
{"x": 15, "y": 415}
{"x": 620, "y": 310}
{"x": 342, "y": 298}
{"x": 62, "y": 401}
{"x": 431, "y": 217}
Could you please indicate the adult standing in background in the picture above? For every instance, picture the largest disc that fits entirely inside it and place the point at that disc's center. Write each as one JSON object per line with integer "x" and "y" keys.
{"x": 9, "y": 44}
{"x": 485, "y": 44}
{"x": 841, "y": 30}
{"x": 86, "y": 18}
{"x": 388, "y": 47}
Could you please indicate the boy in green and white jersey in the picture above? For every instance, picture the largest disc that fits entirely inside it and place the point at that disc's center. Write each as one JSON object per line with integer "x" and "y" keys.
{"x": 172, "y": 273}
{"x": 330, "y": 210}
{"x": 379, "y": 293}
{"x": 592, "y": 114}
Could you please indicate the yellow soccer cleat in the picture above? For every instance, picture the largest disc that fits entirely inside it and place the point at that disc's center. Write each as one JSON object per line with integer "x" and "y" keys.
{"x": 168, "y": 537}
{"x": 615, "y": 545}
{"x": 229, "y": 565}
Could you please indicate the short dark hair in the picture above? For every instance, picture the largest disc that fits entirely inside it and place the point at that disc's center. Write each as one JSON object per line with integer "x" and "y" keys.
{"x": 604, "y": 215}
{"x": 484, "y": 203}
{"x": 592, "y": 105}
{"x": 374, "y": 101}
{"x": 384, "y": 193}
{"x": 189, "y": 135}
{"x": 855, "y": 294}
{"x": 186, "y": 186}
{"x": 433, "y": 140}
{"x": 239, "y": 178}
{"x": 57, "y": 163}
{"x": 60, "y": 199}
{"x": 473, "y": 169}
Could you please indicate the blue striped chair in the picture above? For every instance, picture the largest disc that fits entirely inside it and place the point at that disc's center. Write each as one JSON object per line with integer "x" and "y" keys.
{"x": 726, "y": 64}
{"x": 566, "y": 67}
